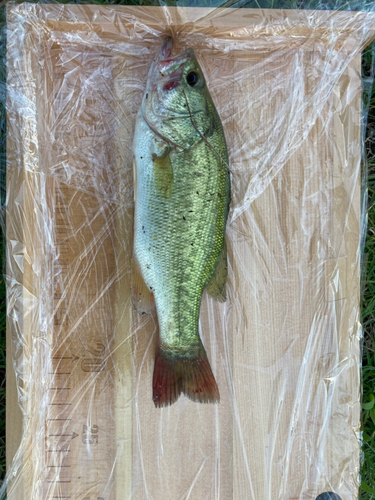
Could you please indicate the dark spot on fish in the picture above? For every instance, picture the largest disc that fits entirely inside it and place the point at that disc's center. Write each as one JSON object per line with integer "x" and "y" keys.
{"x": 150, "y": 287}
{"x": 141, "y": 157}
{"x": 140, "y": 293}
{"x": 197, "y": 192}
{"x": 190, "y": 211}
{"x": 198, "y": 174}
{"x": 212, "y": 194}
{"x": 184, "y": 217}
{"x": 143, "y": 227}
{"x": 192, "y": 244}
{"x": 143, "y": 313}
{"x": 209, "y": 200}
{"x": 146, "y": 95}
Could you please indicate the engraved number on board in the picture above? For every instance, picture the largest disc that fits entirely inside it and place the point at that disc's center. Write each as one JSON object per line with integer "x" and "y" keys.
{"x": 96, "y": 364}
{"x": 92, "y": 365}
{"x": 96, "y": 352}
{"x": 90, "y": 434}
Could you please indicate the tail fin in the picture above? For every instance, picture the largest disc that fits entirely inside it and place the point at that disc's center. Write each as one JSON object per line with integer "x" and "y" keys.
{"x": 192, "y": 376}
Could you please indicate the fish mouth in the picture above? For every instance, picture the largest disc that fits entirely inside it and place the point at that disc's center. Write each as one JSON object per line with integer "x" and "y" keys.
{"x": 168, "y": 64}
{"x": 167, "y": 69}
{"x": 165, "y": 72}
{"x": 174, "y": 65}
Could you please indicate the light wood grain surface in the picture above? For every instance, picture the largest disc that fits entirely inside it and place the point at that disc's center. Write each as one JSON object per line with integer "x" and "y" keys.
{"x": 285, "y": 347}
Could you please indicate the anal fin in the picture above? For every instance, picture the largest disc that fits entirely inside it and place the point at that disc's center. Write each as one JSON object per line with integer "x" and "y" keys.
{"x": 142, "y": 298}
{"x": 217, "y": 285}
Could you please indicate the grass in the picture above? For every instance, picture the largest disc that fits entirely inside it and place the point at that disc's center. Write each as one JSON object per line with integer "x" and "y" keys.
{"x": 368, "y": 306}
{"x": 2, "y": 369}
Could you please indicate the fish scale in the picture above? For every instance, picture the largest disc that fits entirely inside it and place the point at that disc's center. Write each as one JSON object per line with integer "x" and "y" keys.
{"x": 182, "y": 192}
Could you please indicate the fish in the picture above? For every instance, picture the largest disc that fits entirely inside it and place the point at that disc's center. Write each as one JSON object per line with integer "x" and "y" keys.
{"x": 181, "y": 200}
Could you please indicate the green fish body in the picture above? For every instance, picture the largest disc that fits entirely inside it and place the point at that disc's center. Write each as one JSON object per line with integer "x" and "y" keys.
{"x": 182, "y": 194}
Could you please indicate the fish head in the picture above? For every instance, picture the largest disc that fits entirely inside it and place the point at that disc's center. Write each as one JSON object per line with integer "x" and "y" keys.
{"x": 177, "y": 104}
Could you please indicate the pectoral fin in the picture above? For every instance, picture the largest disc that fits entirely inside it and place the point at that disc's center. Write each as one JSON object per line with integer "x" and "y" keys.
{"x": 163, "y": 175}
{"x": 217, "y": 285}
{"x": 142, "y": 298}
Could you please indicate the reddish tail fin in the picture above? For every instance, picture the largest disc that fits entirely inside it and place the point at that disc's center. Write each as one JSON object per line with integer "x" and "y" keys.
{"x": 193, "y": 377}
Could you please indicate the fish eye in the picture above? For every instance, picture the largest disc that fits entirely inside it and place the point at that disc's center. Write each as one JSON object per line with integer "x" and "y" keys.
{"x": 192, "y": 78}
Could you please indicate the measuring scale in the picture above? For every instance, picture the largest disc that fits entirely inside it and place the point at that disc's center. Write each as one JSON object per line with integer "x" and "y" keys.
{"x": 79, "y": 453}
{"x": 81, "y": 448}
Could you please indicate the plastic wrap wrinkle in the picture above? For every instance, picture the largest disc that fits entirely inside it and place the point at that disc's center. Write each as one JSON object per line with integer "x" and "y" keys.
{"x": 284, "y": 347}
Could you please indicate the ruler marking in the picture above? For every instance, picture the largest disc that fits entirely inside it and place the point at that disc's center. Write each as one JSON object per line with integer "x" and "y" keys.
{"x": 59, "y": 373}
{"x": 55, "y": 481}
{"x": 58, "y": 451}
{"x": 64, "y": 419}
{"x": 59, "y": 404}
{"x": 59, "y": 435}
{"x": 62, "y": 298}
{"x": 73, "y": 357}
{"x": 61, "y": 303}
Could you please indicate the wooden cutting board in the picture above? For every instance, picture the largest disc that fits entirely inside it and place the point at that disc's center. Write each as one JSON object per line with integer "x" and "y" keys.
{"x": 285, "y": 347}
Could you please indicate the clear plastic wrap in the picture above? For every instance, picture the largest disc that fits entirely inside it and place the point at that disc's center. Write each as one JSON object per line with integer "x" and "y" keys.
{"x": 285, "y": 346}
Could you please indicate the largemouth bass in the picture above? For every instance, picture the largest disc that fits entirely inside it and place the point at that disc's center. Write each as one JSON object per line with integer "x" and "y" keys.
{"x": 182, "y": 195}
